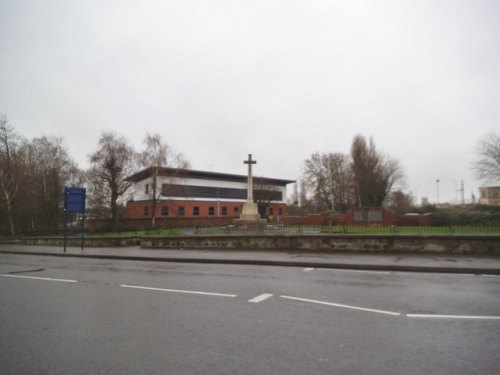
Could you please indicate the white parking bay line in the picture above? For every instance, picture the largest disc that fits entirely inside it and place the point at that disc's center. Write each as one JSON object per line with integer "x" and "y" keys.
{"x": 40, "y": 278}
{"x": 261, "y": 298}
{"x": 431, "y": 316}
{"x": 179, "y": 291}
{"x": 343, "y": 306}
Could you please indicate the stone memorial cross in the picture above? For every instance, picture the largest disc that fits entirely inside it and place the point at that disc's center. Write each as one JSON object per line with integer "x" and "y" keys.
{"x": 250, "y": 213}
{"x": 250, "y": 177}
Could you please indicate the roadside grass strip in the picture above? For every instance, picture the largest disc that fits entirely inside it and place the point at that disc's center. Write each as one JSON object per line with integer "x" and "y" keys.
{"x": 342, "y": 306}
{"x": 39, "y": 278}
{"x": 179, "y": 291}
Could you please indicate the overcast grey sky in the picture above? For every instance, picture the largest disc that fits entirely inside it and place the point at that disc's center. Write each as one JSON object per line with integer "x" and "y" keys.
{"x": 278, "y": 79}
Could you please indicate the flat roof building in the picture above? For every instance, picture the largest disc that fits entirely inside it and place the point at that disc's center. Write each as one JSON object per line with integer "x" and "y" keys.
{"x": 193, "y": 193}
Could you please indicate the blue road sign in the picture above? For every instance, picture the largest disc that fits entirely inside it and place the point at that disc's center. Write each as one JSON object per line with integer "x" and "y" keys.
{"x": 74, "y": 199}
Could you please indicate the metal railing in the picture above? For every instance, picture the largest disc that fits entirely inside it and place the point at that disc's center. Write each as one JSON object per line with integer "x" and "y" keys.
{"x": 252, "y": 229}
{"x": 340, "y": 229}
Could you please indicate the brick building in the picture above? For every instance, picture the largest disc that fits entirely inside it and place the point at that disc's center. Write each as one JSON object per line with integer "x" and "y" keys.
{"x": 490, "y": 195}
{"x": 191, "y": 193}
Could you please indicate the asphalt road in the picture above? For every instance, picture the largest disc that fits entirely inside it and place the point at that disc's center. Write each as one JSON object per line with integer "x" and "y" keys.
{"x": 87, "y": 316}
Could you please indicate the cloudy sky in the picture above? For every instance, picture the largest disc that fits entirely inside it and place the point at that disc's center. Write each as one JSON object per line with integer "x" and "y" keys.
{"x": 220, "y": 79}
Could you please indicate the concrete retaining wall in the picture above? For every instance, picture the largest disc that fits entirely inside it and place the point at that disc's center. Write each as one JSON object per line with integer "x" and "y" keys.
{"x": 89, "y": 242}
{"x": 479, "y": 245}
{"x": 368, "y": 243}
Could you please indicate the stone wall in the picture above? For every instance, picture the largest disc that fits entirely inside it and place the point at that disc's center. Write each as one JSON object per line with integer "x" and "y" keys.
{"x": 89, "y": 242}
{"x": 473, "y": 245}
{"x": 480, "y": 245}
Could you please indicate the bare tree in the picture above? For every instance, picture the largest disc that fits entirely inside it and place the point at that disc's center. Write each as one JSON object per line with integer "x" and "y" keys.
{"x": 304, "y": 202}
{"x": 400, "y": 202}
{"x": 374, "y": 174}
{"x": 157, "y": 155}
{"x": 9, "y": 179}
{"x": 329, "y": 177}
{"x": 113, "y": 160}
{"x": 264, "y": 193}
{"x": 293, "y": 199}
{"x": 33, "y": 174}
{"x": 487, "y": 165}
{"x": 52, "y": 170}
{"x": 42, "y": 168}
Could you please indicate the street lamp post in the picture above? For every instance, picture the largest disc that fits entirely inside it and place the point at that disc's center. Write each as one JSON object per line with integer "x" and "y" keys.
{"x": 437, "y": 188}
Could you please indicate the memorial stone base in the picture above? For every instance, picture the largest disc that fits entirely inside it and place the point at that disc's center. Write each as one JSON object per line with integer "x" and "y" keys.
{"x": 250, "y": 218}
{"x": 249, "y": 224}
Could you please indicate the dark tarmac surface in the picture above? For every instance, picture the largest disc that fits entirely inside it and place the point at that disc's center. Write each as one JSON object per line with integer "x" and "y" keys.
{"x": 362, "y": 261}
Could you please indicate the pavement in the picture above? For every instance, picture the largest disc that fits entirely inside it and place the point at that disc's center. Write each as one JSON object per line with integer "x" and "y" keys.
{"x": 469, "y": 264}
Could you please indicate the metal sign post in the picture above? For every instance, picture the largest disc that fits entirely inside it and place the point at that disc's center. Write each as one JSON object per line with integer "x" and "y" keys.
{"x": 74, "y": 202}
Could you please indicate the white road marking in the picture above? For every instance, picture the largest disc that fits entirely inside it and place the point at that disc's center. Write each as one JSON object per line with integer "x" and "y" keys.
{"x": 261, "y": 298}
{"x": 344, "y": 306}
{"x": 491, "y": 275}
{"x": 308, "y": 269}
{"x": 431, "y": 316}
{"x": 362, "y": 271}
{"x": 40, "y": 278}
{"x": 429, "y": 273}
{"x": 179, "y": 291}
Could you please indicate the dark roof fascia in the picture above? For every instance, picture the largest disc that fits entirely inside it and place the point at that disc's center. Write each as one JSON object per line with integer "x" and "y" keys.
{"x": 204, "y": 175}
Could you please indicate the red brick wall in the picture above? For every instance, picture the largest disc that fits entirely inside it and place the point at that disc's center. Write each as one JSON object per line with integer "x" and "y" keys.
{"x": 127, "y": 224}
{"x": 388, "y": 219}
{"x": 318, "y": 219}
{"x": 414, "y": 220}
{"x": 136, "y": 209}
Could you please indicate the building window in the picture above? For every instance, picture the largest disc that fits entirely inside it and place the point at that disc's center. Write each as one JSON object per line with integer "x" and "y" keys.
{"x": 280, "y": 211}
{"x": 271, "y": 211}
{"x": 368, "y": 215}
{"x": 164, "y": 211}
{"x": 181, "y": 211}
{"x": 196, "y": 211}
{"x": 146, "y": 189}
{"x": 211, "y": 211}
{"x": 146, "y": 210}
{"x": 374, "y": 215}
{"x": 224, "y": 211}
{"x": 236, "y": 210}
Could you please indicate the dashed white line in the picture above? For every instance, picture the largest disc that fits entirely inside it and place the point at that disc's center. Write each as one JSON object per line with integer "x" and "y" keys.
{"x": 363, "y": 271}
{"x": 431, "y": 316}
{"x": 343, "y": 306}
{"x": 179, "y": 291}
{"x": 260, "y": 298}
{"x": 308, "y": 269}
{"x": 40, "y": 278}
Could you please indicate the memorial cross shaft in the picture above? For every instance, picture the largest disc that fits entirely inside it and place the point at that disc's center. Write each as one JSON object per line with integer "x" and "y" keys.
{"x": 249, "y": 218}
{"x": 250, "y": 177}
